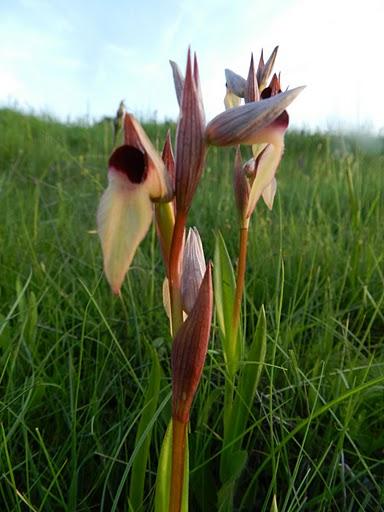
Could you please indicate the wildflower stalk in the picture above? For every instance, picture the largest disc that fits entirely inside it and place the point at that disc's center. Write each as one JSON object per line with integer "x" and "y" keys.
{"x": 240, "y": 278}
{"x": 236, "y": 315}
{"x": 179, "y": 429}
{"x": 174, "y": 272}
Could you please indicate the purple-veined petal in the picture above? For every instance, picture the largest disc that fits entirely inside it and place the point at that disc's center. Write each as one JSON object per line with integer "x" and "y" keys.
{"x": 249, "y": 123}
{"x": 269, "y": 193}
{"x": 123, "y": 219}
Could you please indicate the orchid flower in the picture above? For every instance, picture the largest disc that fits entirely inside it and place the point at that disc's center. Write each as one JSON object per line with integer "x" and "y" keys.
{"x": 260, "y": 122}
{"x": 137, "y": 178}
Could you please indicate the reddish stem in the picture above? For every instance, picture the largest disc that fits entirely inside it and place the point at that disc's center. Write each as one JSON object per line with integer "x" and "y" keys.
{"x": 239, "y": 283}
{"x": 174, "y": 271}
{"x": 178, "y": 462}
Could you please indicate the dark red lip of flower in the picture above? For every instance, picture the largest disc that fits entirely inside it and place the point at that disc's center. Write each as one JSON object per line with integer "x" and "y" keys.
{"x": 130, "y": 161}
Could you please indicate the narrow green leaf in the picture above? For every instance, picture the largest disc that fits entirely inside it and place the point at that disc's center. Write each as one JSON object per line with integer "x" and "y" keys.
{"x": 247, "y": 385}
{"x": 163, "y": 481}
{"x": 274, "y": 504}
{"x": 249, "y": 377}
{"x": 136, "y": 490}
{"x": 224, "y": 290}
{"x": 32, "y": 317}
{"x": 233, "y": 470}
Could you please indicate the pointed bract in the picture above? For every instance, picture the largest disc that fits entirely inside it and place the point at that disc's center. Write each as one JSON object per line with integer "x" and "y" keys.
{"x": 264, "y": 70}
{"x": 178, "y": 80}
{"x": 169, "y": 159}
{"x": 190, "y": 144}
{"x": 252, "y": 89}
{"x": 190, "y": 349}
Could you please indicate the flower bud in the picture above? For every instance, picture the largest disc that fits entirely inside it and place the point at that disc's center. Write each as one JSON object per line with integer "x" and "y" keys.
{"x": 193, "y": 269}
{"x": 241, "y": 185}
{"x": 190, "y": 349}
{"x": 190, "y": 143}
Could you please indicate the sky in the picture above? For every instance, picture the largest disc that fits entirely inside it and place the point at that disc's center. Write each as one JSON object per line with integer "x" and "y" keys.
{"x": 77, "y": 59}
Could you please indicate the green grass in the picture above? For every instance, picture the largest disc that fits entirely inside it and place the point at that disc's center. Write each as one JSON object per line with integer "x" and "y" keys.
{"x": 75, "y": 361}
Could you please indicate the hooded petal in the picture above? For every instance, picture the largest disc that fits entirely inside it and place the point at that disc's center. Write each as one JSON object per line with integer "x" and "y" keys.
{"x": 158, "y": 180}
{"x": 123, "y": 218}
{"x": 235, "y": 83}
{"x": 246, "y": 124}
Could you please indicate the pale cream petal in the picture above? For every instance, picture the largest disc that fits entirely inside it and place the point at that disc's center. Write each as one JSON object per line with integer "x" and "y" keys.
{"x": 231, "y": 100}
{"x": 266, "y": 169}
{"x": 123, "y": 219}
{"x": 269, "y": 193}
{"x": 166, "y": 297}
{"x": 167, "y": 304}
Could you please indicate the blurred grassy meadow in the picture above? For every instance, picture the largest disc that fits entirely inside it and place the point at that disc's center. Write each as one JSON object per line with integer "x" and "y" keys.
{"x": 75, "y": 361}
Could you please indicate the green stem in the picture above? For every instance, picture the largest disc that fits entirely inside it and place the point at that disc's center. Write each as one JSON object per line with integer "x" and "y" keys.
{"x": 233, "y": 343}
